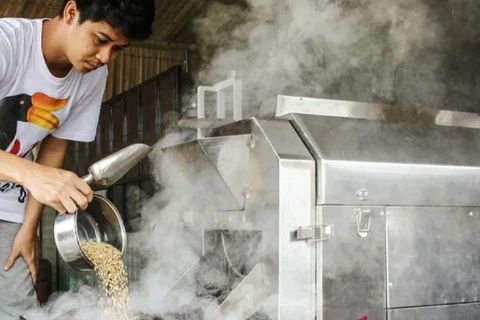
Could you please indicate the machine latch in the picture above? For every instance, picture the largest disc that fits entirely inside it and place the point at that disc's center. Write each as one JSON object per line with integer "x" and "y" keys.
{"x": 321, "y": 232}
{"x": 364, "y": 218}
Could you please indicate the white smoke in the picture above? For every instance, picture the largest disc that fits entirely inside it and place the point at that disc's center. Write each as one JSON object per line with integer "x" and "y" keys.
{"x": 171, "y": 238}
{"x": 341, "y": 49}
{"x": 338, "y": 49}
{"x": 169, "y": 247}
{"x": 80, "y": 305}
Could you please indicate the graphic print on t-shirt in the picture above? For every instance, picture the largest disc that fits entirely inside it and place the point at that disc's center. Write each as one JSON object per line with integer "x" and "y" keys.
{"x": 36, "y": 110}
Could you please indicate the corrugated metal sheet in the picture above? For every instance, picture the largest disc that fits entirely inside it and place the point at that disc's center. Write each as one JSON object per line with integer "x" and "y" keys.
{"x": 136, "y": 65}
{"x": 172, "y": 16}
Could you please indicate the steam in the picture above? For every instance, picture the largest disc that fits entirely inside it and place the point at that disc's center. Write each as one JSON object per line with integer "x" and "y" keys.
{"x": 357, "y": 50}
{"x": 175, "y": 222}
{"x": 81, "y": 305}
{"x": 365, "y": 50}
{"x": 170, "y": 248}
{"x": 351, "y": 50}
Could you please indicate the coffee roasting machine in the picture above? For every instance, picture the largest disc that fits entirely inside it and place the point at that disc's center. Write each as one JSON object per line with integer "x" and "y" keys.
{"x": 337, "y": 210}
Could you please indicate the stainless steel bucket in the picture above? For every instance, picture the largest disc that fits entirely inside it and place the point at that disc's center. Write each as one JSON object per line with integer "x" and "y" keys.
{"x": 100, "y": 222}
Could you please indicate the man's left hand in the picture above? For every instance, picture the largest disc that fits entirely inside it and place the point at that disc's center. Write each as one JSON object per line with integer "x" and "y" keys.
{"x": 25, "y": 244}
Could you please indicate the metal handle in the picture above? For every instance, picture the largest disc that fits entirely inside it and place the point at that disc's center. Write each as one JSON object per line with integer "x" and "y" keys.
{"x": 219, "y": 88}
{"x": 88, "y": 178}
{"x": 315, "y": 233}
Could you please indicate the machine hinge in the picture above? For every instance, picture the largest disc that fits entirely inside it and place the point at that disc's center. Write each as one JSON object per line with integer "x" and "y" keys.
{"x": 321, "y": 232}
{"x": 364, "y": 219}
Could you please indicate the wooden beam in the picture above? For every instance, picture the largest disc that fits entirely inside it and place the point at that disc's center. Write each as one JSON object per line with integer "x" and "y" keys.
{"x": 186, "y": 20}
{"x": 164, "y": 46}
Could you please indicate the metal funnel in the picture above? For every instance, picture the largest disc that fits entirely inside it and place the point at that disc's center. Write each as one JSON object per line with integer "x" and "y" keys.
{"x": 110, "y": 169}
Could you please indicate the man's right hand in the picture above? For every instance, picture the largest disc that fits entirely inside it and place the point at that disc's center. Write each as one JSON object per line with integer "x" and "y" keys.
{"x": 60, "y": 189}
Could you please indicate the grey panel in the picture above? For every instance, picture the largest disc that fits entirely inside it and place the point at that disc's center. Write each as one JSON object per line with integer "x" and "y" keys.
{"x": 347, "y": 139}
{"x": 355, "y": 314}
{"x": 433, "y": 256}
{"x": 374, "y": 162}
{"x": 369, "y": 183}
{"x": 230, "y": 157}
{"x": 448, "y": 312}
{"x": 352, "y": 267}
{"x": 209, "y": 163}
{"x": 284, "y": 105}
{"x": 244, "y": 300}
{"x": 279, "y": 197}
{"x": 292, "y": 185}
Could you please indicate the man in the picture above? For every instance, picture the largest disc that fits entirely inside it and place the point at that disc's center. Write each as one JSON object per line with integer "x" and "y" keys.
{"x": 52, "y": 79}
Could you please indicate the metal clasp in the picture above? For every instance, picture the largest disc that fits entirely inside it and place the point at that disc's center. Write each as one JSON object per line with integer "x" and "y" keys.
{"x": 321, "y": 232}
{"x": 364, "y": 219}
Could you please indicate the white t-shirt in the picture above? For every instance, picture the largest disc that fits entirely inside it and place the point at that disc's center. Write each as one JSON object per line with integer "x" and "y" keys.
{"x": 34, "y": 103}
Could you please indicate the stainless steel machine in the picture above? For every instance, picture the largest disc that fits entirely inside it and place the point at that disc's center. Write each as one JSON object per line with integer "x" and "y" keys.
{"x": 337, "y": 210}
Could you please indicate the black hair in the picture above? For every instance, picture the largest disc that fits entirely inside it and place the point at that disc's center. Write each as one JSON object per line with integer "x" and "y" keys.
{"x": 133, "y": 18}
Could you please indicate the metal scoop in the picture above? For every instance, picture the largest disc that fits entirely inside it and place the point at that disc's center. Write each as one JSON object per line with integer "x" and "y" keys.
{"x": 110, "y": 169}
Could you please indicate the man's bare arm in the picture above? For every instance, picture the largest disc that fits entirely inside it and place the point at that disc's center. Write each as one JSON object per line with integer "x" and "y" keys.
{"x": 51, "y": 157}
{"x": 52, "y": 154}
{"x": 14, "y": 168}
{"x": 49, "y": 185}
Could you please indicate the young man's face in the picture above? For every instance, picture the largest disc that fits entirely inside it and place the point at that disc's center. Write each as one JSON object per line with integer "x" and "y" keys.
{"x": 92, "y": 44}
